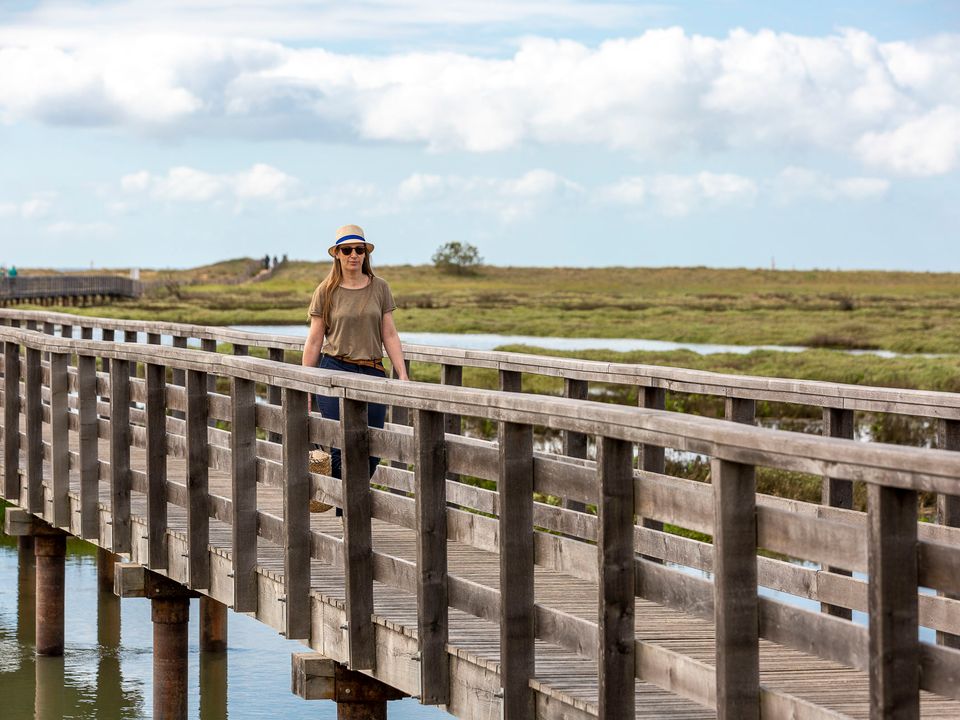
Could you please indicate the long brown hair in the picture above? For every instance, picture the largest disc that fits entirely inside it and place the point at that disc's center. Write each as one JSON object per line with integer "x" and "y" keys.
{"x": 333, "y": 280}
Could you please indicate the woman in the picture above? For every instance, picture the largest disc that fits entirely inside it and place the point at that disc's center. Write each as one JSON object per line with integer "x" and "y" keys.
{"x": 351, "y": 322}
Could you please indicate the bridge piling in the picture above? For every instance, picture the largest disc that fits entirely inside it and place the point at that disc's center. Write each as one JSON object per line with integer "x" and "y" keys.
{"x": 170, "y": 615}
{"x": 50, "y": 551}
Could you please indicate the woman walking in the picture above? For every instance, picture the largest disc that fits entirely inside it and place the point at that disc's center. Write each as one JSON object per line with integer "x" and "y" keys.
{"x": 351, "y": 323}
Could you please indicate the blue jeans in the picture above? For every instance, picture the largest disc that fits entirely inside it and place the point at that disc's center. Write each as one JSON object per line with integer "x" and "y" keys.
{"x": 329, "y": 407}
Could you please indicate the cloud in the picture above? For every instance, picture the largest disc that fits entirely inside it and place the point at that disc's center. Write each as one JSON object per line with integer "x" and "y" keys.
{"x": 36, "y": 207}
{"x": 679, "y": 195}
{"x": 926, "y": 145}
{"x": 90, "y": 229}
{"x": 189, "y": 185}
{"x": 798, "y": 183}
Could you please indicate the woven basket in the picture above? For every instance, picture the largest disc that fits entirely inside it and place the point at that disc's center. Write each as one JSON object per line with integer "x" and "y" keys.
{"x": 319, "y": 463}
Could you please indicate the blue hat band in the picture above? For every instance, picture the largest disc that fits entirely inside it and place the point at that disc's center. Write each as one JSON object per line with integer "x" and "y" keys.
{"x": 346, "y": 238}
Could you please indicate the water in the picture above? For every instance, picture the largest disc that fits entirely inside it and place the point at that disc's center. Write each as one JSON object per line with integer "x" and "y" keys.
{"x": 106, "y": 670}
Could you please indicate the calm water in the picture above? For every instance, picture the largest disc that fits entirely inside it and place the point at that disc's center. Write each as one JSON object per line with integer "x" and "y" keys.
{"x": 106, "y": 671}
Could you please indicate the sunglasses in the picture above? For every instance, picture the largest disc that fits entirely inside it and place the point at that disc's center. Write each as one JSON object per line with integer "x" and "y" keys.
{"x": 359, "y": 249}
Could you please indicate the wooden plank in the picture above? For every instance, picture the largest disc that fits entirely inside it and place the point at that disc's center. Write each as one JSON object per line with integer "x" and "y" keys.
{"x": 89, "y": 452}
{"x": 210, "y": 345}
{"x": 510, "y": 381}
{"x": 453, "y": 422}
{"x": 735, "y": 590}
{"x": 357, "y": 540}
{"x": 274, "y": 393}
{"x": 296, "y": 515}
{"x": 243, "y": 477}
{"x": 198, "y": 514}
{"x": 432, "y": 600}
{"x": 517, "y": 618}
{"x": 894, "y": 646}
{"x": 838, "y": 423}
{"x": 86, "y": 332}
{"x": 156, "y": 429}
{"x": 740, "y": 410}
{"x": 11, "y": 422}
{"x": 652, "y": 457}
{"x": 615, "y": 558}
{"x": 120, "y": 437}
{"x": 948, "y": 509}
{"x": 400, "y": 415}
{"x": 60, "y": 432}
{"x": 574, "y": 443}
{"x": 33, "y": 410}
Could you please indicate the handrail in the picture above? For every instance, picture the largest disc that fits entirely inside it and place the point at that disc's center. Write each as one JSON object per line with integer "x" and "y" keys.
{"x": 24, "y": 288}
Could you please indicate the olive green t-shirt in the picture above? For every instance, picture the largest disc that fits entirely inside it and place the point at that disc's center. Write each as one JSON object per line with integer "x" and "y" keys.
{"x": 354, "y": 330}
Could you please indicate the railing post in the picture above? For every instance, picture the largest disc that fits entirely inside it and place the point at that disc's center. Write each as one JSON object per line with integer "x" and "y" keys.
{"x": 653, "y": 457}
{"x": 836, "y": 492}
{"x": 617, "y": 601}
{"x": 399, "y": 415}
{"x": 515, "y": 490}
{"x": 296, "y": 515}
{"x": 11, "y": 422}
{"x": 179, "y": 377}
{"x": 210, "y": 345}
{"x": 156, "y": 422}
{"x": 948, "y": 508}
{"x": 274, "y": 393}
{"x": 198, "y": 497}
{"x": 243, "y": 439}
{"x": 736, "y": 605}
{"x": 431, "y": 507}
{"x": 120, "y": 476}
{"x": 892, "y": 603}
{"x": 33, "y": 410}
{"x": 357, "y": 540}
{"x": 510, "y": 381}
{"x": 60, "y": 435}
{"x": 574, "y": 443}
{"x": 89, "y": 453}
{"x": 452, "y": 422}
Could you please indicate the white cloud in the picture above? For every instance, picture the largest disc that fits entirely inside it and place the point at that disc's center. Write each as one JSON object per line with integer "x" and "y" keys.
{"x": 798, "y": 183}
{"x": 925, "y": 145}
{"x": 91, "y": 229}
{"x": 36, "y": 207}
{"x": 186, "y": 184}
{"x": 679, "y": 195}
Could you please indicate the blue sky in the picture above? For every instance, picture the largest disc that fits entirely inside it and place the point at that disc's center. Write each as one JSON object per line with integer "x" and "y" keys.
{"x": 546, "y": 132}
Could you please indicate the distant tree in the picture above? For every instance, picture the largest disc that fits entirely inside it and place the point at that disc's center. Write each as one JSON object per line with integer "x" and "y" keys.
{"x": 457, "y": 258}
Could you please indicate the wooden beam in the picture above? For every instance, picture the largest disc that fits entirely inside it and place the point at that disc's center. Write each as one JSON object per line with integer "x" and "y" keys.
{"x": 616, "y": 565}
{"x": 735, "y": 591}
{"x": 274, "y": 394}
{"x": 574, "y": 443}
{"x": 432, "y": 599}
{"x": 515, "y": 488}
{"x": 198, "y": 453}
{"x": 893, "y": 621}
{"x": 357, "y": 540}
{"x": 120, "y": 437}
{"x": 11, "y": 422}
{"x": 33, "y": 409}
{"x": 88, "y": 449}
{"x": 60, "y": 432}
{"x": 652, "y": 457}
{"x": 948, "y": 509}
{"x": 243, "y": 473}
{"x": 452, "y": 422}
{"x": 156, "y": 429}
{"x": 837, "y": 423}
{"x": 296, "y": 515}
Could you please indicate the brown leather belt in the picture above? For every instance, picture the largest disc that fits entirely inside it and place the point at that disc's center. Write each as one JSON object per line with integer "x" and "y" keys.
{"x": 376, "y": 364}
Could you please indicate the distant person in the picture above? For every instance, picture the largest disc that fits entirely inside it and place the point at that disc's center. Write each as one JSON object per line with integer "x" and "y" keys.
{"x": 274, "y": 261}
{"x": 12, "y": 272}
{"x": 351, "y": 322}
{"x": 266, "y": 262}
{"x": 283, "y": 260}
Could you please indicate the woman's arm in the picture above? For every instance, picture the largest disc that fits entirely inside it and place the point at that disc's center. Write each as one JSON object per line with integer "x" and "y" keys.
{"x": 314, "y": 343}
{"x": 391, "y": 343}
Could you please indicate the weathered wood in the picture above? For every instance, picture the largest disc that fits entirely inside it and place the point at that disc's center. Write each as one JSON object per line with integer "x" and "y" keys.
{"x": 652, "y": 457}
{"x": 453, "y": 422}
{"x": 89, "y": 453}
{"x": 400, "y": 415}
{"x": 60, "y": 448}
{"x": 11, "y": 421}
{"x": 432, "y": 599}
{"x": 740, "y": 410}
{"x": 838, "y": 423}
{"x": 616, "y": 565}
{"x": 243, "y": 437}
{"x": 894, "y": 647}
{"x": 274, "y": 392}
{"x": 510, "y": 381}
{"x": 33, "y": 410}
{"x": 120, "y": 437}
{"x": 156, "y": 429}
{"x": 735, "y": 590}
{"x": 198, "y": 516}
{"x": 948, "y": 509}
{"x": 574, "y": 443}
{"x": 210, "y": 345}
{"x": 515, "y": 488}
{"x": 296, "y": 515}
{"x": 357, "y": 540}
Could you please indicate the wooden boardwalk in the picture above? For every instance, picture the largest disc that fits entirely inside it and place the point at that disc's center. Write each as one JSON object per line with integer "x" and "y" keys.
{"x": 302, "y": 569}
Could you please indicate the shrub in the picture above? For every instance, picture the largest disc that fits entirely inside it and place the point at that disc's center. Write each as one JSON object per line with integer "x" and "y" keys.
{"x": 457, "y": 258}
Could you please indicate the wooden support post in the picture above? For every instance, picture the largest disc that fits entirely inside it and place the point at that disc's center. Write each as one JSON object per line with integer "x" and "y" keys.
{"x": 243, "y": 438}
{"x": 11, "y": 422}
{"x": 89, "y": 460}
{"x": 26, "y": 589}
{"x": 740, "y": 410}
{"x": 574, "y": 443}
{"x": 153, "y": 338}
{"x": 108, "y": 336}
{"x": 274, "y": 393}
{"x": 213, "y": 625}
{"x": 948, "y": 508}
{"x": 399, "y": 415}
{"x": 50, "y": 549}
{"x": 86, "y": 332}
{"x": 653, "y": 457}
{"x": 106, "y": 569}
{"x": 515, "y": 490}
{"x": 296, "y": 516}
{"x": 510, "y": 381}
{"x": 736, "y": 605}
{"x": 452, "y": 422}
{"x": 120, "y": 475}
{"x": 210, "y": 345}
{"x": 170, "y": 617}
{"x": 357, "y": 541}
{"x": 34, "y": 431}
{"x": 314, "y": 677}
{"x": 241, "y": 350}
{"x": 837, "y": 492}
{"x": 179, "y": 377}
{"x": 198, "y": 497}
{"x": 617, "y": 600}
{"x": 432, "y": 601}
{"x": 156, "y": 429}
{"x": 60, "y": 436}
{"x": 893, "y": 604}
{"x": 131, "y": 336}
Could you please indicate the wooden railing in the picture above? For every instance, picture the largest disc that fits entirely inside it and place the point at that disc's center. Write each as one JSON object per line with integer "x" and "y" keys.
{"x": 609, "y": 550}
{"x": 67, "y": 286}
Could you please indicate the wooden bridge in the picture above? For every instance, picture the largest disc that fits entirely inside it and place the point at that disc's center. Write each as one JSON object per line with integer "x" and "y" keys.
{"x": 66, "y": 289}
{"x": 192, "y": 464}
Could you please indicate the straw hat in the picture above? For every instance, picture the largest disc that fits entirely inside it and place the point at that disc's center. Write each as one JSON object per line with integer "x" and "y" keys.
{"x": 349, "y": 235}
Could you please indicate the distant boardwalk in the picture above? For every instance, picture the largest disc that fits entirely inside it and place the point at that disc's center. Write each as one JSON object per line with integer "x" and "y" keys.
{"x": 66, "y": 289}
{"x": 495, "y": 603}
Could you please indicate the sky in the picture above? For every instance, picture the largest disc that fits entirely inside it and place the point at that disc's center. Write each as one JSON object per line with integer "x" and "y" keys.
{"x": 728, "y": 133}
